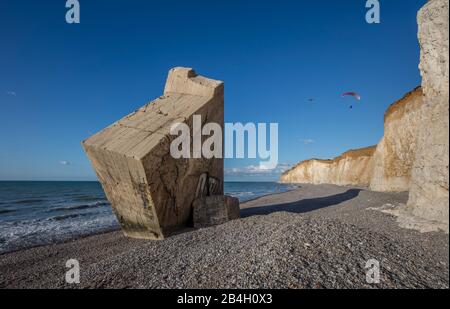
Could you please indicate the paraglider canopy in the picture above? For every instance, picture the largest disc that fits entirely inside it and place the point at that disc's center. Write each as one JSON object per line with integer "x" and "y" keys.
{"x": 352, "y": 94}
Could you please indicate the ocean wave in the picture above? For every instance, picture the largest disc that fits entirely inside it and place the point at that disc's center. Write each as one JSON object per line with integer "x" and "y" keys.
{"x": 237, "y": 194}
{"x": 27, "y": 202}
{"x": 79, "y": 207}
{"x": 65, "y": 217}
{"x": 87, "y": 198}
{"x": 6, "y": 211}
{"x": 26, "y": 234}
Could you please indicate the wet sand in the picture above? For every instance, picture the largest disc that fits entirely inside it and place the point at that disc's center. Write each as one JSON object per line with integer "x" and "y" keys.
{"x": 313, "y": 237}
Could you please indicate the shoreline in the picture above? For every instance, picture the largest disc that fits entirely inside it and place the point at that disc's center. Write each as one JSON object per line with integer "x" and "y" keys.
{"x": 79, "y": 212}
{"x": 293, "y": 239}
{"x": 112, "y": 230}
{"x": 70, "y": 240}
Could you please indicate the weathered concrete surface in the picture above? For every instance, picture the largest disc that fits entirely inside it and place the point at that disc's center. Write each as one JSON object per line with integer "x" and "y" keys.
{"x": 215, "y": 210}
{"x": 395, "y": 154}
{"x": 429, "y": 184}
{"x": 151, "y": 192}
{"x": 353, "y": 167}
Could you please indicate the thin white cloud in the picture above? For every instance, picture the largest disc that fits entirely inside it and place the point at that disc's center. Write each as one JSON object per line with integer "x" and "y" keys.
{"x": 64, "y": 163}
{"x": 12, "y": 93}
{"x": 308, "y": 141}
{"x": 257, "y": 170}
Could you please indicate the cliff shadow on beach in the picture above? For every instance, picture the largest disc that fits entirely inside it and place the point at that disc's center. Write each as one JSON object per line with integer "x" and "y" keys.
{"x": 302, "y": 206}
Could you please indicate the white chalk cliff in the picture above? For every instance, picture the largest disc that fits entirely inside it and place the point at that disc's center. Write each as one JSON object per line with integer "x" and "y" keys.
{"x": 395, "y": 154}
{"x": 353, "y": 167}
{"x": 413, "y": 154}
{"x": 429, "y": 183}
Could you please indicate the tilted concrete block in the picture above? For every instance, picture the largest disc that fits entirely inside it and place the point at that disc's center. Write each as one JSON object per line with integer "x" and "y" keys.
{"x": 151, "y": 192}
{"x": 215, "y": 210}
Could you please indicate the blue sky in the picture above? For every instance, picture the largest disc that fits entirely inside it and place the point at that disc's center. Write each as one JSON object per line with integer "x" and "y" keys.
{"x": 60, "y": 83}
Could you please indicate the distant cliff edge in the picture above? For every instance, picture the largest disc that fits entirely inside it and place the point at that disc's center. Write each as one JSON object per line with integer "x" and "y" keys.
{"x": 351, "y": 168}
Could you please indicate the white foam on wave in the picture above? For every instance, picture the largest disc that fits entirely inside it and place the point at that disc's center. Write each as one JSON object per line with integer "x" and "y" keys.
{"x": 25, "y": 234}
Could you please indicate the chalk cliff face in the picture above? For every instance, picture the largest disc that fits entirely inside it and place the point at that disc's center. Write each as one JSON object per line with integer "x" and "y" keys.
{"x": 353, "y": 167}
{"x": 429, "y": 183}
{"x": 395, "y": 154}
